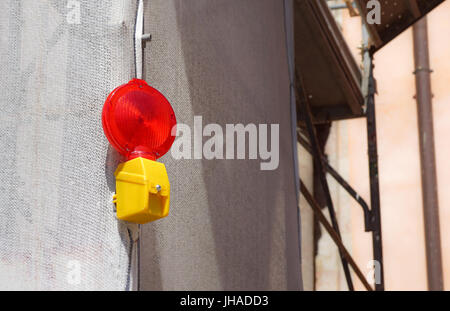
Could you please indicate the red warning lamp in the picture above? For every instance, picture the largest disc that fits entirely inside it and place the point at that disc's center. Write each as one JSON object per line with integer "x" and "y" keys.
{"x": 138, "y": 121}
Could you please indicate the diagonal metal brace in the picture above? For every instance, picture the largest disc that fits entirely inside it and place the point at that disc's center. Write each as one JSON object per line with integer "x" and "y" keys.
{"x": 305, "y": 110}
{"x": 334, "y": 235}
{"x": 366, "y": 211}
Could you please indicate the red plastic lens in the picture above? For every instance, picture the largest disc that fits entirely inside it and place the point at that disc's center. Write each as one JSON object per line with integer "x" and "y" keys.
{"x": 138, "y": 120}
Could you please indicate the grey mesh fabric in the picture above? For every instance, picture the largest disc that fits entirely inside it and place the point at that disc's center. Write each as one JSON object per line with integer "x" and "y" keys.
{"x": 231, "y": 226}
{"x": 56, "y": 167}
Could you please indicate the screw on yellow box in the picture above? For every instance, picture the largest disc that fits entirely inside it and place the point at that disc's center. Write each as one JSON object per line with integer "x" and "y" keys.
{"x": 142, "y": 191}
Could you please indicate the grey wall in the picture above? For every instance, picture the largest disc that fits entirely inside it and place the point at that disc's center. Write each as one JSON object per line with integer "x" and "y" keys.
{"x": 231, "y": 225}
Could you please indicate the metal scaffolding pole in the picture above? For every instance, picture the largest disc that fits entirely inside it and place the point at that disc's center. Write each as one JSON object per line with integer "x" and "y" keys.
{"x": 427, "y": 156}
{"x": 377, "y": 244}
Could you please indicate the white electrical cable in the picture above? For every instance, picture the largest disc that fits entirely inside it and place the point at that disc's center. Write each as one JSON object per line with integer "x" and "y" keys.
{"x": 138, "y": 35}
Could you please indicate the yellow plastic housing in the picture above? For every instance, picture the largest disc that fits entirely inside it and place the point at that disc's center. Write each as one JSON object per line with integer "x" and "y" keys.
{"x": 142, "y": 191}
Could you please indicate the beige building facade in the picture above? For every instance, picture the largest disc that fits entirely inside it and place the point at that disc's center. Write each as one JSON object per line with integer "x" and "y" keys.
{"x": 399, "y": 165}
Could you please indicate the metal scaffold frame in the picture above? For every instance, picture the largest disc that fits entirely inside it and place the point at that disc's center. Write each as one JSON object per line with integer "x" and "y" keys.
{"x": 372, "y": 217}
{"x": 314, "y": 126}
